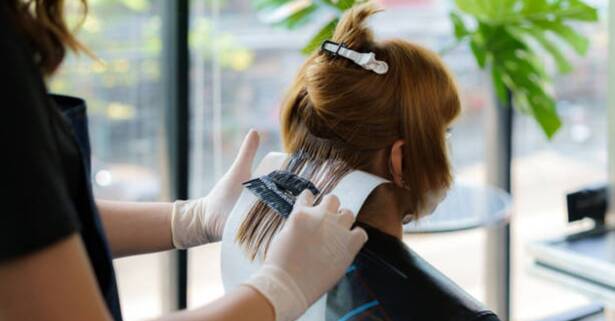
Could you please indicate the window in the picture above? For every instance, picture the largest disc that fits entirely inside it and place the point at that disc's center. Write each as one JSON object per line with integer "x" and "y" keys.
{"x": 241, "y": 67}
{"x": 124, "y": 97}
{"x": 543, "y": 171}
{"x": 240, "y": 70}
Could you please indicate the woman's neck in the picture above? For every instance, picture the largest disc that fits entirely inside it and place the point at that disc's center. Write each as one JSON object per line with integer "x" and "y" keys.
{"x": 381, "y": 211}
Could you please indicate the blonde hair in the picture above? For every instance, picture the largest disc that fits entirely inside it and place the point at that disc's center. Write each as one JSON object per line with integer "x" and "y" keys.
{"x": 337, "y": 116}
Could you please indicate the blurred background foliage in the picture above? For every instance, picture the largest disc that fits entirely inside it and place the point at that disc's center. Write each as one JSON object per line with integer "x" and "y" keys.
{"x": 111, "y": 30}
{"x": 507, "y": 37}
{"x": 240, "y": 67}
{"x": 504, "y": 36}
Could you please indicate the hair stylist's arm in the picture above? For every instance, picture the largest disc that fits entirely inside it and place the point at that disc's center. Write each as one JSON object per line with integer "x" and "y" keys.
{"x": 57, "y": 283}
{"x": 313, "y": 239}
{"x": 140, "y": 227}
{"x": 308, "y": 256}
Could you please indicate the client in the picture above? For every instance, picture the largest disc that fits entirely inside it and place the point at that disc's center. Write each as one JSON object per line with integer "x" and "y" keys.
{"x": 366, "y": 120}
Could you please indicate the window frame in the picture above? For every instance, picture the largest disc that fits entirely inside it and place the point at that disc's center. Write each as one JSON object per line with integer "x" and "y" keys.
{"x": 175, "y": 25}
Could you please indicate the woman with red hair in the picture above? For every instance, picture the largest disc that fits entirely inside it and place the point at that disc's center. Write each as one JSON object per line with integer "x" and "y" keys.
{"x": 367, "y": 120}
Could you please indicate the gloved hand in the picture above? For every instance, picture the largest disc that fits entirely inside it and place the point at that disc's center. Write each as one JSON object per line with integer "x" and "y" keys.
{"x": 308, "y": 256}
{"x": 201, "y": 221}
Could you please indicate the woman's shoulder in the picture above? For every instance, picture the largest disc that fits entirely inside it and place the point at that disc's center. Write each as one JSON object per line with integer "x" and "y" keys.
{"x": 390, "y": 281}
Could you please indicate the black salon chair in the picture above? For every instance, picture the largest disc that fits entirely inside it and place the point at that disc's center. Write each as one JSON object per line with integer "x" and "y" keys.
{"x": 388, "y": 281}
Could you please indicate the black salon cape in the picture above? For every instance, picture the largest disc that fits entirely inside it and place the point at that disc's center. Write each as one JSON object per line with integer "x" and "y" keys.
{"x": 45, "y": 191}
{"x": 389, "y": 282}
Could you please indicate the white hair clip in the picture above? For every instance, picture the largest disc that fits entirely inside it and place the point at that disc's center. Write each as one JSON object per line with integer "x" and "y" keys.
{"x": 366, "y": 60}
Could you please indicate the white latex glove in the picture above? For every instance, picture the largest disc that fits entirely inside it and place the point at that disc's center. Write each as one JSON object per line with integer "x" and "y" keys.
{"x": 201, "y": 221}
{"x": 308, "y": 256}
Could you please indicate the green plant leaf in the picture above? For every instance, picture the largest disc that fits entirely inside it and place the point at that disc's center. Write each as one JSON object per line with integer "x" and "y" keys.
{"x": 344, "y": 5}
{"x": 526, "y": 62}
{"x": 576, "y": 10}
{"x": 459, "y": 26}
{"x": 521, "y": 103}
{"x": 501, "y": 39}
{"x": 577, "y": 41}
{"x": 479, "y": 53}
{"x": 476, "y": 8}
{"x": 532, "y": 7}
{"x": 326, "y": 32}
{"x": 298, "y": 18}
{"x": 522, "y": 82}
{"x": 492, "y": 10}
{"x": 563, "y": 65}
{"x": 503, "y": 8}
{"x": 268, "y": 4}
{"x": 561, "y": 9}
{"x": 530, "y": 95}
{"x": 498, "y": 84}
{"x": 544, "y": 111}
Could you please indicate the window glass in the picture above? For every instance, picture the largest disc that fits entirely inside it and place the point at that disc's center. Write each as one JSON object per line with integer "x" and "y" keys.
{"x": 241, "y": 67}
{"x": 122, "y": 87}
{"x": 545, "y": 171}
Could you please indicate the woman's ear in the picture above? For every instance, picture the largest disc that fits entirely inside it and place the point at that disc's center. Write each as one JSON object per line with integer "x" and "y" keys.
{"x": 396, "y": 161}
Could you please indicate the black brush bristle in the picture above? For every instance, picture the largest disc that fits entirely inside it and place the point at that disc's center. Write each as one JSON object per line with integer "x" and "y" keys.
{"x": 279, "y": 190}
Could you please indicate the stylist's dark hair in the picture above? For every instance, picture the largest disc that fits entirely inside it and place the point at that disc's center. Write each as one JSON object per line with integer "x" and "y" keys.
{"x": 43, "y": 23}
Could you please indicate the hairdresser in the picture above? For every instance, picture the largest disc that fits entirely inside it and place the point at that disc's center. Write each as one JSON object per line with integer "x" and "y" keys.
{"x": 57, "y": 242}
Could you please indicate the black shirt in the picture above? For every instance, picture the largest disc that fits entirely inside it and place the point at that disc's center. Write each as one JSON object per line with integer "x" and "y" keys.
{"x": 44, "y": 167}
{"x": 389, "y": 282}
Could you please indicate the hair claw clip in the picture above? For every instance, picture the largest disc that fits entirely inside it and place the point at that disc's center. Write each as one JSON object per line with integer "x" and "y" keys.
{"x": 327, "y": 45}
{"x": 366, "y": 60}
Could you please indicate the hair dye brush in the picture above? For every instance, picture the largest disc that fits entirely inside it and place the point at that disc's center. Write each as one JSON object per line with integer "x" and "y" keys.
{"x": 279, "y": 190}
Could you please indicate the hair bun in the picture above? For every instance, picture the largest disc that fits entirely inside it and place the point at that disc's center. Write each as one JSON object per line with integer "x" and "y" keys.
{"x": 352, "y": 30}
